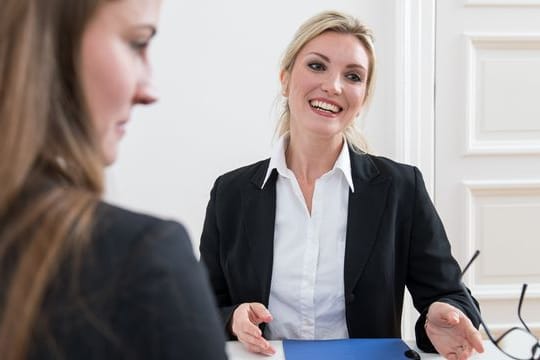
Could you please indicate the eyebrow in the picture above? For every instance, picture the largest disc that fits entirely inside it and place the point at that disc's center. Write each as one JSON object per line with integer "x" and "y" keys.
{"x": 327, "y": 59}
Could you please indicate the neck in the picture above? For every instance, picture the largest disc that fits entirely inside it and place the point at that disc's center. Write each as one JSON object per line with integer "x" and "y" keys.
{"x": 310, "y": 158}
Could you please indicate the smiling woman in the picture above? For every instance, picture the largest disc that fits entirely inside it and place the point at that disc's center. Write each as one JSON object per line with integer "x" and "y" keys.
{"x": 326, "y": 86}
{"x": 81, "y": 279}
{"x": 320, "y": 240}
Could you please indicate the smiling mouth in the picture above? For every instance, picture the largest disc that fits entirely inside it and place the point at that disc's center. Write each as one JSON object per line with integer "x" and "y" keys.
{"x": 324, "y": 106}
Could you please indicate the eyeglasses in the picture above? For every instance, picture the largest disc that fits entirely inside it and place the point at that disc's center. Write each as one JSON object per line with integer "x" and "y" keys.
{"x": 518, "y": 342}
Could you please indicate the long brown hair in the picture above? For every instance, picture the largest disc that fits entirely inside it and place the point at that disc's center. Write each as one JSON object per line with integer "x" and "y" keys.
{"x": 51, "y": 171}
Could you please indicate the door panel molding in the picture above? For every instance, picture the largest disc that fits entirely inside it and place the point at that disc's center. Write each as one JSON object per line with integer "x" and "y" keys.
{"x": 510, "y": 3}
{"x": 498, "y": 52}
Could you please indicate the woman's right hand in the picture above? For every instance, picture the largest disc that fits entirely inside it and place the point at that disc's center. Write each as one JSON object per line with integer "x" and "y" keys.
{"x": 245, "y": 326}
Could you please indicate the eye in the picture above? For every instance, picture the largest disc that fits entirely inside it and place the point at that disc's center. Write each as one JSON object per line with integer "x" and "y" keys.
{"x": 139, "y": 46}
{"x": 354, "y": 77}
{"x": 316, "y": 66}
{"x": 139, "y": 38}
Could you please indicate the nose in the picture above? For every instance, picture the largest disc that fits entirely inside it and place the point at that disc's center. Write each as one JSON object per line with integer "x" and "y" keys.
{"x": 332, "y": 84}
{"x": 146, "y": 93}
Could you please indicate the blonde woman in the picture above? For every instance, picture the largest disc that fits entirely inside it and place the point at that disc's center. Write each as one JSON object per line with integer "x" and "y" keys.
{"x": 320, "y": 240}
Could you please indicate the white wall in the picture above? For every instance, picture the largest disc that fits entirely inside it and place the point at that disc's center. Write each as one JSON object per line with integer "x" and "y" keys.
{"x": 216, "y": 65}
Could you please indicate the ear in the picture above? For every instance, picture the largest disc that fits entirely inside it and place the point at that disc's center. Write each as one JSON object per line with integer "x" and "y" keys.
{"x": 284, "y": 79}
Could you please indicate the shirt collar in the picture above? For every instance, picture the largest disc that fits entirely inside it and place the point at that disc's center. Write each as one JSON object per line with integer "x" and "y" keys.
{"x": 343, "y": 163}
{"x": 278, "y": 162}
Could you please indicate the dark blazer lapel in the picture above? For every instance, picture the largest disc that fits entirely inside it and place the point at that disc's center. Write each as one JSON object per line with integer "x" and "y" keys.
{"x": 259, "y": 209}
{"x": 366, "y": 207}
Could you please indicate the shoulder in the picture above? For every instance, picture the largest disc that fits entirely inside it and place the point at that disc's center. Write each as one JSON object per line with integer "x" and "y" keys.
{"x": 163, "y": 305}
{"x": 114, "y": 218}
{"x": 391, "y": 167}
{"x": 117, "y": 221}
{"x": 381, "y": 167}
{"x": 240, "y": 177}
{"x": 120, "y": 235}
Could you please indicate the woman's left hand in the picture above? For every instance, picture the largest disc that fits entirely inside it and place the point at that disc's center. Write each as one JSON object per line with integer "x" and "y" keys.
{"x": 451, "y": 332}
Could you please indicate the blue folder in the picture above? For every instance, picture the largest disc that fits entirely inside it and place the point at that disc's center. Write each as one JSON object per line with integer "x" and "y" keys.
{"x": 345, "y": 349}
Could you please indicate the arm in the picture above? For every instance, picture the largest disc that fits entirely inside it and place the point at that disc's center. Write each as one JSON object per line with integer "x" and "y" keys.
{"x": 434, "y": 275}
{"x": 167, "y": 307}
{"x": 211, "y": 258}
{"x": 241, "y": 321}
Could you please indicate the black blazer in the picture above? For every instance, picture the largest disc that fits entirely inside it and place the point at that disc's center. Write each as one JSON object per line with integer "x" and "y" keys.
{"x": 394, "y": 239}
{"x": 140, "y": 294}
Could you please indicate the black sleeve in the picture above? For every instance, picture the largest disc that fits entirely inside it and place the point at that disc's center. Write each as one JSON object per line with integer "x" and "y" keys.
{"x": 211, "y": 258}
{"x": 167, "y": 308}
{"x": 434, "y": 275}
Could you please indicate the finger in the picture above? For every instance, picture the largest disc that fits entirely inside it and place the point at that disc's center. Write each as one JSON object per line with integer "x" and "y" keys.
{"x": 247, "y": 327}
{"x": 452, "y": 317}
{"x": 269, "y": 350}
{"x": 257, "y": 341}
{"x": 257, "y": 345}
{"x": 465, "y": 354}
{"x": 475, "y": 339}
{"x": 472, "y": 335}
{"x": 260, "y": 313}
{"x": 242, "y": 322}
{"x": 258, "y": 350}
{"x": 444, "y": 339}
{"x": 443, "y": 314}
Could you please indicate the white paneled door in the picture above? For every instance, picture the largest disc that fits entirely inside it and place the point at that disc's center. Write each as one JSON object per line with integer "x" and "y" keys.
{"x": 487, "y": 149}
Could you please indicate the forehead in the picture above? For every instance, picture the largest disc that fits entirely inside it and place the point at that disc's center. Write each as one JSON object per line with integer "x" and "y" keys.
{"x": 123, "y": 12}
{"x": 337, "y": 47}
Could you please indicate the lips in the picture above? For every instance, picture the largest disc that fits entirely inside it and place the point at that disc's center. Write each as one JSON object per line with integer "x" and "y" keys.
{"x": 326, "y": 106}
{"x": 121, "y": 127}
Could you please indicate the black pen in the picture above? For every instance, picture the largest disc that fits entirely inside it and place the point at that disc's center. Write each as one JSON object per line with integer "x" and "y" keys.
{"x": 412, "y": 354}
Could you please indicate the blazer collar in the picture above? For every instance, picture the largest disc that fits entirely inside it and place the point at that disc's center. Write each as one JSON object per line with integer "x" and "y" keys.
{"x": 259, "y": 177}
{"x": 362, "y": 166}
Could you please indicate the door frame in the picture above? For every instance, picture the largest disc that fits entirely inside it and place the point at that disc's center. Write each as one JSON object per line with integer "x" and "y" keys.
{"x": 415, "y": 107}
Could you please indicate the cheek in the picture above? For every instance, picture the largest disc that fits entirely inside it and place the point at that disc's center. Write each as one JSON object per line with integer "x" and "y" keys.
{"x": 106, "y": 85}
{"x": 302, "y": 82}
{"x": 108, "y": 88}
{"x": 356, "y": 99}
{"x": 309, "y": 83}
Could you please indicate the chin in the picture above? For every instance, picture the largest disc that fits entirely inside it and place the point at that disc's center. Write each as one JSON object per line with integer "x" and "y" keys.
{"x": 328, "y": 131}
{"x": 109, "y": 150}
{"x": 109, "y": 157}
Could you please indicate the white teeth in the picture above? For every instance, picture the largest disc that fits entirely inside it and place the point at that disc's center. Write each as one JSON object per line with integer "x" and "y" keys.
{"x": 324, "y": 106}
